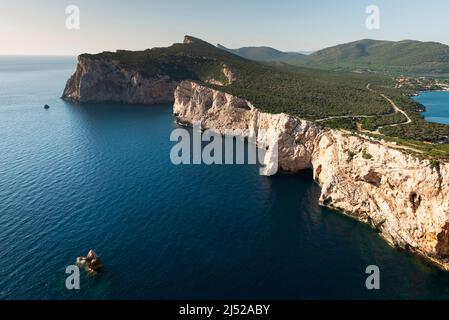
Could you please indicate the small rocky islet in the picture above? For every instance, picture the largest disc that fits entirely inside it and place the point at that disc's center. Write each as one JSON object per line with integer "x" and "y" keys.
{"x": 92, "y": 263}
{"x": 401, "y": 193}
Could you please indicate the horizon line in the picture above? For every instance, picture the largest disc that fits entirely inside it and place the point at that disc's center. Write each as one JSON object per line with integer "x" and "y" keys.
{"x": 216, "y": 45}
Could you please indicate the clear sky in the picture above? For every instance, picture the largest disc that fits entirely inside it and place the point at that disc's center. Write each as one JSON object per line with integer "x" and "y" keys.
{"x": 39, "y": 26}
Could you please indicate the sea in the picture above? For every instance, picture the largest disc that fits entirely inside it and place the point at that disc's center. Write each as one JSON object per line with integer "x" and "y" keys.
{"x": 80, "y": 177}
{"x": 437, "y": 105}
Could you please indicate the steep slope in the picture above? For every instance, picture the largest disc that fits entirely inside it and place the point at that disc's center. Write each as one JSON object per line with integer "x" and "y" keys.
{"x": 403, "y": 197}
{"x": 150, "y": 76}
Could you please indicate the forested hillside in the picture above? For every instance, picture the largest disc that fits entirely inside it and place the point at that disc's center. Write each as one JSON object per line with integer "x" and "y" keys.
{"x": 408, "y": 56}
{"x": 344, "y": 100}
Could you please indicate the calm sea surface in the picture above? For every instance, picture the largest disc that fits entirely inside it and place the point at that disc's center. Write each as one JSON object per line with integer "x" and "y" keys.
{"x": 437, "y": 105}
{"x": 76, "y": 177}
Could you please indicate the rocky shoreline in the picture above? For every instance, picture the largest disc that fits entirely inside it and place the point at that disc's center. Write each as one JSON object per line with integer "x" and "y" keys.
{"x": 401, "y": 196}
{"x": 99, "y": 81}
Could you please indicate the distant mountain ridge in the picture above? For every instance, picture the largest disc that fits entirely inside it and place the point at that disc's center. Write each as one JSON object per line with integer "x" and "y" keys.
{"x": 265, "y": 54}
{"x": 407, "y": 56}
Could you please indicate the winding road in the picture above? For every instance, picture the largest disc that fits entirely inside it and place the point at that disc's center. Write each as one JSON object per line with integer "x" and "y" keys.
{"x": 396, "y": 108}
{"x": 377, "y": 132}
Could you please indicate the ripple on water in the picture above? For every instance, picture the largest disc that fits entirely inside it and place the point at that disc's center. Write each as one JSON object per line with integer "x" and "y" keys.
{"x": 77, "y": 177}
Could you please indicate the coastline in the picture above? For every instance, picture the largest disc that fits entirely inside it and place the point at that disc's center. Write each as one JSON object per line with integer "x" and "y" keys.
{"x": 403, "y": 196}
{"x": 400, "y": 196}
{"x": 426, "y": 108}
{"x": 418, "y": 93}
{"x": 293, "y": 222}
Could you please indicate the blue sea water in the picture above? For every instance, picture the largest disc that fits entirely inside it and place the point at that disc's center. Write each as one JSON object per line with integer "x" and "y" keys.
{"x": 437, "y": 105}
{"x": 77, "y": 177}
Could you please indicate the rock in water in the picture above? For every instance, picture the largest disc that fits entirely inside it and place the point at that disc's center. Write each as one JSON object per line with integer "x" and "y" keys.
{"x": 403, "y": 196}
{"x": 91, "y": 255}
{"x": 92, "y": 263}
{"x": 46, "y": 106}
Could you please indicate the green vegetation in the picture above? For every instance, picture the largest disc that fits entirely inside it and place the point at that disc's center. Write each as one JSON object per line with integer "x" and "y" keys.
{"x": 265, "y": 54}
{"x": 341, "y": 123}
{"x": 351, "y": 155}
{"x": 406, "y": 56}
{"x": 424, "y": 150}
{"x": 387, "y": 56}
{"x": 434, "y": 164}
{"x": 311, "y": 94}
{"x": 372, "y": 124}
{"x": 366, "y": 155}
{"x": 308, "y": 93}
{"x": 419, "y": 129}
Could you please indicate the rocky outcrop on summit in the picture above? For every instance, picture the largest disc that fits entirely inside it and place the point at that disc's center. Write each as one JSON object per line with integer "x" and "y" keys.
{"x": 404, "y": 198}
{"x": 97, "y": 81}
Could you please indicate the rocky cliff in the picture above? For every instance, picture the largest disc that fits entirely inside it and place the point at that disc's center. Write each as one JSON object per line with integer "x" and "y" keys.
{"x": 97, "y": 81}
{"x": 403, "y": 197}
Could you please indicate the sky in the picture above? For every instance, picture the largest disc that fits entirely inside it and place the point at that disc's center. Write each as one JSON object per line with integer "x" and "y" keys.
{"x": 38, "y": 27}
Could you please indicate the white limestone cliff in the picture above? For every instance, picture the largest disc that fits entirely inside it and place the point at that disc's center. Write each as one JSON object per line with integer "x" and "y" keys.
{"x": 403, "y": 197}
{"x": 221, "y": 111}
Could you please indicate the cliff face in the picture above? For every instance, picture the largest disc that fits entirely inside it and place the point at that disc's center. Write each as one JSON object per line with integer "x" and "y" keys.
{"x": 221, "y": 111}
{"x": 405, "y": 198}
{"x": 96, "y": 81}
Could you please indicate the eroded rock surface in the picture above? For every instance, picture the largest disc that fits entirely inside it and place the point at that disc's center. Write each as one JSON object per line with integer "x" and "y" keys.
{"x": 221, "y": 111}
{"x": 405, "y": 198}
{"x": 99, "y": 81}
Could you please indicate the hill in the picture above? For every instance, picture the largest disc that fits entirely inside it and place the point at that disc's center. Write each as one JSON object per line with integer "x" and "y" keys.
{"x": 408, "y": 56}
{"x": 308, "y": 93}
{"x": 265, "y": 54}
{"x": 336, "y": 99}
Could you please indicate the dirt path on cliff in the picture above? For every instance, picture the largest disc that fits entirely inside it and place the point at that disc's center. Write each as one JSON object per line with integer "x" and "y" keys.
{"x": 392, "y": 145}
{"x": 395, "y": 107}
{"x": 343, "y": 117}
{"x": 377, "y": 132}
